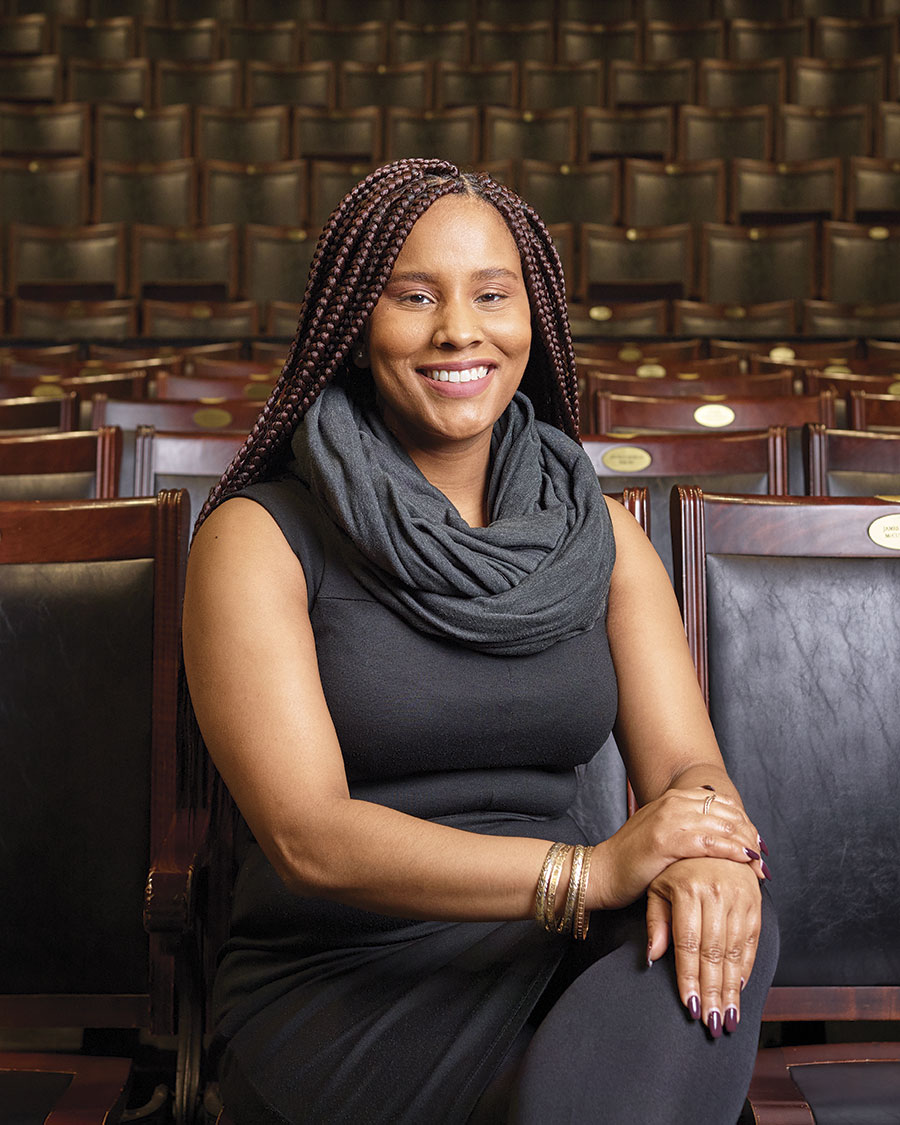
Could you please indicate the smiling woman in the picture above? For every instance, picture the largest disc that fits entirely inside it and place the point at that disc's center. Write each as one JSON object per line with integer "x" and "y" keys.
{"x": 410, "y": 615}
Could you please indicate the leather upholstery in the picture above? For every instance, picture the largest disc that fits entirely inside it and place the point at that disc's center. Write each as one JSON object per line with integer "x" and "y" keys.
{"x": 86, "y": 630}
{"x": 851, "y": 1093}
{"x": 820, "y": 634}
{"x": 27, "y": 1096}
{"x": 47, "y": 486}
{"x": 842, "y": 483}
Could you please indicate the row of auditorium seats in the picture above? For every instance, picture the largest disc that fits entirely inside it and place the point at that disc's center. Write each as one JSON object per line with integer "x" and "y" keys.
{"x": 478, "y": 41}
{"x": 847, "y": 264}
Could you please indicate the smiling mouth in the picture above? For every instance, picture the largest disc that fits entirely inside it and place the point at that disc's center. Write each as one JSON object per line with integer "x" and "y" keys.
{"x": 467, "y": 375}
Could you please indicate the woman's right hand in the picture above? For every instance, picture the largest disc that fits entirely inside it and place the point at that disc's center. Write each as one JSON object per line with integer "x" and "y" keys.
{"x": 673, "y": 826}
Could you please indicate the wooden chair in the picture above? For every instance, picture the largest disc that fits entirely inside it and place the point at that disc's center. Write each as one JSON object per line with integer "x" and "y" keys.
{"x": 40, "y": 415}
{"x": 81, "y": 464}
{"x": 850, "y": 463}
{"x": 802, "y": 592}
{"x": 873, "y": 412}
{"x": 255, "y": 385}
{"x": 732, "y": 413}
{"x": 193, "y": 462}
{"x": 91, "y": 594}
{"x": 754, "y": 462}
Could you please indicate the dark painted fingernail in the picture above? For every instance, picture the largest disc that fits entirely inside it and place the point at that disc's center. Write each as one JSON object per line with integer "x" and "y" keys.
{"x": 762, "y": 845}
{"x": 750, "y": 852}
{"x": 714, "y": 1023}
{"x": 765, "y": 869}
{"x": 711, "y": 788}
{"x": 731, "y": 1019}
{"x": 693, "y": 1006}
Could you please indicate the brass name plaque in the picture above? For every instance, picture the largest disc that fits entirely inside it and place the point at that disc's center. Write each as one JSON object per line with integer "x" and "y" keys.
{"x": 783, "y": 354}
{"x": 894, "y": 388}
{"x": 626, "y": 459}
{"x": 212, "y": 418}
{"x": 714, "y": 415}
{"x": 885, "y": 531}
{"x": 651, "y": 371}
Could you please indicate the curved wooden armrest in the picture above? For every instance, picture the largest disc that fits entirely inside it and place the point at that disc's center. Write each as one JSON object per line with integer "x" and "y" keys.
{"x": 169, "y": 896}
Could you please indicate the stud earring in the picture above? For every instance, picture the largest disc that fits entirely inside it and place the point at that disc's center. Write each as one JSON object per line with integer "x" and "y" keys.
{"x": 360, "y": 358}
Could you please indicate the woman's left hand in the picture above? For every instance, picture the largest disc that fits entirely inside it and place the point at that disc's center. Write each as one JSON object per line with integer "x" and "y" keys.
{"x": 711, "y": 910}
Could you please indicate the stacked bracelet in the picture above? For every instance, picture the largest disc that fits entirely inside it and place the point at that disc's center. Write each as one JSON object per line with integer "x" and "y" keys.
{"x": 573, "y": 915}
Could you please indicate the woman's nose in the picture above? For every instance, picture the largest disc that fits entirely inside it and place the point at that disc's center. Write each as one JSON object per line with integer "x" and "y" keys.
{"x": 458, "y": 325}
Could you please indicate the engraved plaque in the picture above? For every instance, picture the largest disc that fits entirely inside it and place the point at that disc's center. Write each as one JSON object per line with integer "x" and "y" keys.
{"x": 600, "y": 312}
{"x": 885, "y": 531}
{"x": 626, "y": 459}
{"x": 628, "y": 353}
{"x": 714, "y": 415}
{"x": 212, "y": 418}
{"x": 894, "y": 388}
{"x": 47, "y": 390}
{"x": 687, "y": 375}
{"x": 651, "y": 371}
{"x": 836, "y": 369}
{"x": 783, "y": 354}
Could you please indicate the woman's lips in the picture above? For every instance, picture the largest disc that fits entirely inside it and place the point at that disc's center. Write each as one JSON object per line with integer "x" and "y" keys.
{"x": 457, "y": 380}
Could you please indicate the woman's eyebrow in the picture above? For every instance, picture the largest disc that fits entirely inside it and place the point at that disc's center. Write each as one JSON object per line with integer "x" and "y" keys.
{"x": 490, "y": 273}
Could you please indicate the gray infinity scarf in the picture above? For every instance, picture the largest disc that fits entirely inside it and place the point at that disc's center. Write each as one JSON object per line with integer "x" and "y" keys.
{"x": 538, "y": 574}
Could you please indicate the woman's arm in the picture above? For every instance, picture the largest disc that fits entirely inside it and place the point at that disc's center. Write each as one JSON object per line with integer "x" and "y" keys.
{"x": 711, "y": 908}
{"x": 251, "y": 664}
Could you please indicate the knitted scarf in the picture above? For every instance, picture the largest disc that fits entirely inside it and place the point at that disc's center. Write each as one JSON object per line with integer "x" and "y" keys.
{"x": 537, "y": 574}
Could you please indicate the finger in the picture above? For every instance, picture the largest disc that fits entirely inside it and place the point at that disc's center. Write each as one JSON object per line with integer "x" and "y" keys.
{"x": 686, "y": 940}
{"x": 751, "y": 944}
{"x": 713, "y": 935}
{"x": 739, "y": 924}
{"x": 659, "y": 926}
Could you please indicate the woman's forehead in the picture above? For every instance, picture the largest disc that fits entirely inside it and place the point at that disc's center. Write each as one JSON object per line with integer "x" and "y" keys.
{"x": 460, "y": 230}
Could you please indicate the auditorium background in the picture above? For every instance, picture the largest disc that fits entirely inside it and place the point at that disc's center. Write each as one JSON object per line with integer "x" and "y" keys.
{"x": 722, "y": 181}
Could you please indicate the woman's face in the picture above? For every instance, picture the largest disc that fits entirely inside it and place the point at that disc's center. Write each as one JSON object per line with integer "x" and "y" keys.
{"x": 450, "y": 336}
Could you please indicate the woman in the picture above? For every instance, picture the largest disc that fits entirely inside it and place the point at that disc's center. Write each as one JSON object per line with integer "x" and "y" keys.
{"x": 412, "y": 622}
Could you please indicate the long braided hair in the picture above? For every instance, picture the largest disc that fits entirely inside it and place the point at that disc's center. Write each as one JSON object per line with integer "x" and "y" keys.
{"x": 351, "y": 266}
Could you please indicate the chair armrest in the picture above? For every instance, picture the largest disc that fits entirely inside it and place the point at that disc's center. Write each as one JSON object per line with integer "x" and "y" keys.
{"x": 171, "y": 890}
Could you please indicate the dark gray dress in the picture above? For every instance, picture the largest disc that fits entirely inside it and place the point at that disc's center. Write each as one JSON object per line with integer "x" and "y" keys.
{"x": 328, "y": 1014}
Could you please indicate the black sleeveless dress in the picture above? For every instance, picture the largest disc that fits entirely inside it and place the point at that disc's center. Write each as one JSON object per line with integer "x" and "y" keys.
{"x": 326, "y": 1013}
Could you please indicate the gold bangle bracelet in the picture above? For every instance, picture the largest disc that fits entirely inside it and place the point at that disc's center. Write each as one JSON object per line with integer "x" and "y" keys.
{"x": 552, "y": 885}
{"x": 574, "y": 884}
{"x": 582, "y": 919}
{"x": 540, "y": 898}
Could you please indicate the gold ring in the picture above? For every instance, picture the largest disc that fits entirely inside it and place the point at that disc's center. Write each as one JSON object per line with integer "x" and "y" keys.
{"x": 707, "y": 804}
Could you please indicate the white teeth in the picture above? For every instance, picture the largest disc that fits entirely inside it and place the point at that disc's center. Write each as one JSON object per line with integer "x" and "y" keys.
{"x": 468, "y": 375}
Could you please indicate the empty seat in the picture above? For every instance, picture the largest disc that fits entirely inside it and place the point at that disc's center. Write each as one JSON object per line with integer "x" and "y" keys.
{"x": 850, "y": 463}
{"x": 651, "y": 83}
{"x": 249, "y": 136}
{"x": 198, "y": 83}
{"x": 585, "y": 193}
{"x": 623, "y": 319}
{"x": 34, "y": 129}
{"x": 127, "y": 135}
{"x": 874, "y": 412}
{"x": 79, "y": 465}
{"x": 37, "y": 415}
{"x": 160, "y": 194}
{"x": 647, "y": 132}
{"x": 660, "y": 194}
{"x": 46, "y": 264}
{"x": 859, "y": 263}
{"x": 187, "y": 41}
{"x": 352, "y": 134}
{"x": 405, "y": 84}
{"x": 554, "y": 85}
{"x": 74, "y": 320}
{"x": 833, "y": 82}
{"x": 499, "y": 42}
{"x": 193, "y": 461}
{"x": 837, "y": 38}
{"x": 764, "y": 192}
{"x": 826, "y": 318}
{"x": 265, "y": 42}
{"x": 819, "y": 132}
{"x": 105, "y": 40}
{"x": 748, "y": 265}
{"x": 329, "y": 182}
{"x": 887, "y": 131}
{"x": 741, "y": 131}
{"x": 724, "y": 83}
{"x": 439, "y": 42}
{"x": 873, "y": 190}
{"x": 27, "y": 34}
{"x": 451, "y": 134}
{"x": 689, "y": 11}
{"x": 31, "y": 78}
{"x": 769, "y": 318}
{"x": 520, "y": 134}
{"x": 200, "y": 319}
{"x": 349, "y": 11}
{"x": 613, "y": 11}
{"x": 765, "y": 39}
{"x": 227, "y": 11}
{"x": 635, "y": 263}
{"x": 362, "y": 42}
{"x": 685, "y": 39}
{"x": 461, "y": 84}
{"x": 184, "y": 263}
{"x": 578, "y": 41}
{"x": 113, "y": 83}
{"x": 272, "y": 194}
{"x": 267, "y": 11}
{"x": 44, "y": 192}
{"x": 727, "y": 413}
{"x": 312, "y": 84}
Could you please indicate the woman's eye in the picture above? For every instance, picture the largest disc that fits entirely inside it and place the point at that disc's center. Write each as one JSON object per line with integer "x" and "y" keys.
{"x": 491, "y": 298}
{"x": 416, "y": 299}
